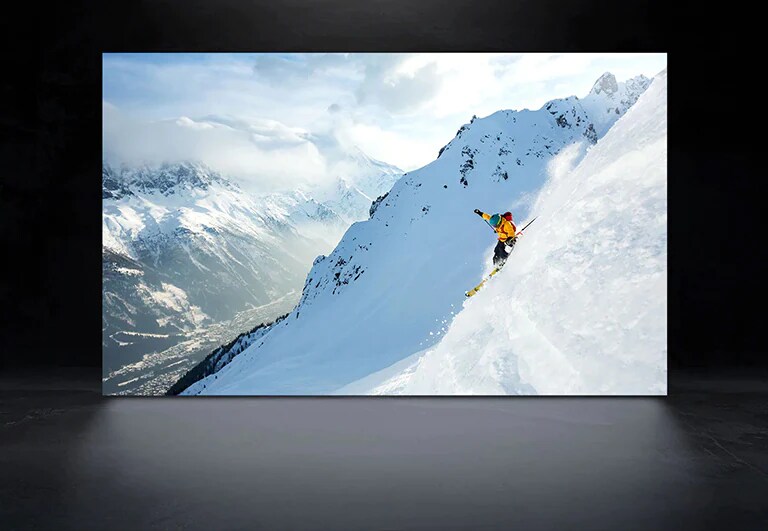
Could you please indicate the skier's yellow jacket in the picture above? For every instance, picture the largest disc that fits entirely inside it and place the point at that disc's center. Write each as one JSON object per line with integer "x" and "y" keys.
{"x": 505, "y": 231}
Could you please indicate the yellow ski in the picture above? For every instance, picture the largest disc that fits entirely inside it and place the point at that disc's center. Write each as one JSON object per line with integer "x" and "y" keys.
{"x": 477, "y": 288}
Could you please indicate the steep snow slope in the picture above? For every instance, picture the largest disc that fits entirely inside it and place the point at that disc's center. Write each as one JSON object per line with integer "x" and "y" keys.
{"x": 221, "y": 356}
{"x": 392, "y": 281}
{"x": 581, "y": 306}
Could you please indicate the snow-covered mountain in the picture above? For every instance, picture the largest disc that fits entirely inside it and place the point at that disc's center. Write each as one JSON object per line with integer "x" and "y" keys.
{"x": 582, "y": 307}
{"x": 184, "y": 247}
{"x": 610, "y": 99}
{"x": 366, "y": 174}
{"x": 360, "y": 179}
{"x": 326, "y": 210}
{"x": 311, "y": 218}
{"x": 347, "y": 200}
{"x": 391, "y": 284}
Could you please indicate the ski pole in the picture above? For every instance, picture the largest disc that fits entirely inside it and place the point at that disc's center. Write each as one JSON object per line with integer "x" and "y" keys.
{"x": 526, "y": 225}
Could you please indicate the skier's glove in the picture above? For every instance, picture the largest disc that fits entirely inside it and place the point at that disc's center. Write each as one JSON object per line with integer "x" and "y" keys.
{"x": 477, "y": 211}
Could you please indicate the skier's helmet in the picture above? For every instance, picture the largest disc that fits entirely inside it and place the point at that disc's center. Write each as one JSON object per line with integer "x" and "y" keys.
{"x": 508, "y": 216}
{"x": 495, "y": 220}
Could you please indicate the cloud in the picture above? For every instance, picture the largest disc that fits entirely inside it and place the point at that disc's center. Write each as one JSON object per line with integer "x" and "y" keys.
{"x": 263, "y": 156}
{"x": 277, "y": 118}
{"x": 389, "y": 82}
{"x": 272, "y": 68}
{"x": 308, "y": 72}
{"x": 267, "y": 134}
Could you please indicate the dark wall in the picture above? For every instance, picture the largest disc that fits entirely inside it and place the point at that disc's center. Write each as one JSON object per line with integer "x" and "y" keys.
{"x": 50, "y": 127}
{"x": 717, "y": 262}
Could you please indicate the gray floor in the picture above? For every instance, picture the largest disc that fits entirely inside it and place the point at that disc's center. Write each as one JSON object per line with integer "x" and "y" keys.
{"x": 70, "y": 459}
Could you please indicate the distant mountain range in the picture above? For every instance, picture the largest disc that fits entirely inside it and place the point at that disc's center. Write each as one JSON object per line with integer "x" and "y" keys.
{"x": 184, "y": 247}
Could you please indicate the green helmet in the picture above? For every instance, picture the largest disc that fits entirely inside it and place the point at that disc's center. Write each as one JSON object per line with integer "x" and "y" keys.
{"x": 495, "y": 220}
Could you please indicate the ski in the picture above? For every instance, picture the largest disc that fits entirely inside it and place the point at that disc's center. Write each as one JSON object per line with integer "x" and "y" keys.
{"x": 477, "y": 288}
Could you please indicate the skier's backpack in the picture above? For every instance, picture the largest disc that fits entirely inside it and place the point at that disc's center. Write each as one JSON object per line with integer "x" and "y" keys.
{"x": 508, "y": 216}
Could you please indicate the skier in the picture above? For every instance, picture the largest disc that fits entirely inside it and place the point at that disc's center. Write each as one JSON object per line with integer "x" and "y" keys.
{"x": 507, "y": 231}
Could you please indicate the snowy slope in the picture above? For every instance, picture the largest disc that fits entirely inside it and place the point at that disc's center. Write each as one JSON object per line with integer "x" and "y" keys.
{"x": 394, "y": 280}
{"x": 221, "y": 356}
{"x": 581, "y": 308}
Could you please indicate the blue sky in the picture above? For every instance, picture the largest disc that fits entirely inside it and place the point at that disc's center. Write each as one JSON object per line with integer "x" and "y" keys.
{"x": 254, "y": 115}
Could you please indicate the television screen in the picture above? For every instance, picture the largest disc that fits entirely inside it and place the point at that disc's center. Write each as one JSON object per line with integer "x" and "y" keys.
{"x": 384, "y": 224}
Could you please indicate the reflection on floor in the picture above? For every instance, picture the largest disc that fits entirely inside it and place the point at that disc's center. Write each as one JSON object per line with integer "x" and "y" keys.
{"x": 71, "y": 459}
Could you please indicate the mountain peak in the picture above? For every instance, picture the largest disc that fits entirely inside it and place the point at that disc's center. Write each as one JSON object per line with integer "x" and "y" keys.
{"x": 638, "y": 84}
{"x": 165, "y": 178}
{"x": 606, "y": 83}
